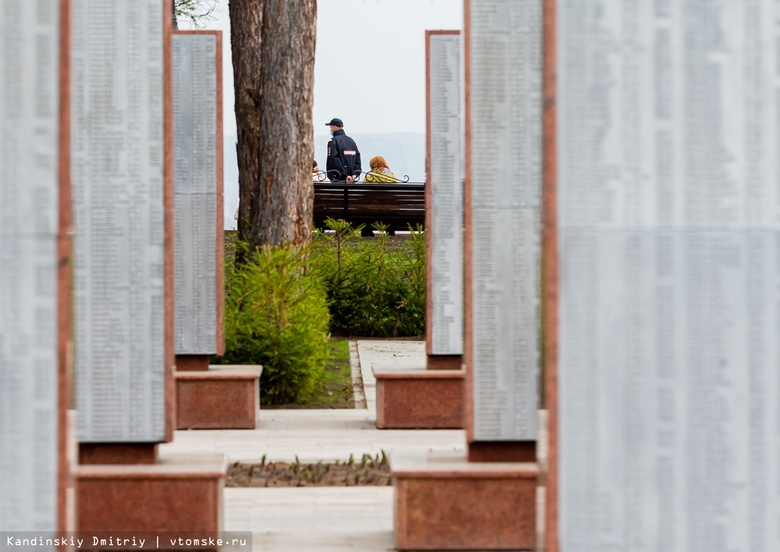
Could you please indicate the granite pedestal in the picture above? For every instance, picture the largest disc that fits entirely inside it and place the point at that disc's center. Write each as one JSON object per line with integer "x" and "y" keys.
{"x": 192, "y": 363}
{"x": 444, "y": 362}
{"x": 223, "y": 397}
{"x": 419, "y": 399}
{"x": 444, "y": 502}
{"x": 177, "y": 495}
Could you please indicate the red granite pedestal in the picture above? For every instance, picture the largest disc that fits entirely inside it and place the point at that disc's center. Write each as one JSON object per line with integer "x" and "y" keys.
{"x": 444, "y": 502}
{"x": 223, "y": 397}
{"x": 192, "y": 363}
{"x": 444, "y": 362}
{"x": 419, "y": 399}
{"x": 175, "y": 496}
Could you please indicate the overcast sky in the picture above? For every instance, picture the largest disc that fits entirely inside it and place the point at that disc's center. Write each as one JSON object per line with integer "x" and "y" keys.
{"x": 370, "y": 62}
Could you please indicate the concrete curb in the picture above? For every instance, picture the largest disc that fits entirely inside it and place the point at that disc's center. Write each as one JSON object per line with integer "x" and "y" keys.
{"x": 357, "y": 376}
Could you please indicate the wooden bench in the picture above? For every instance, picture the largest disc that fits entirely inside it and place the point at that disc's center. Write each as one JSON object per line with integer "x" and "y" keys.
{"x": 397, "y": 205}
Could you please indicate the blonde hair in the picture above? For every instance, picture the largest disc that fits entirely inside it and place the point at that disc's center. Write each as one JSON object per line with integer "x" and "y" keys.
{"x": 378, "y": 162}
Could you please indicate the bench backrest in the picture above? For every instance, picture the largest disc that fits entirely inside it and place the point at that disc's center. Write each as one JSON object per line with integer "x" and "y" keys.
{"x": 394, "y": 204}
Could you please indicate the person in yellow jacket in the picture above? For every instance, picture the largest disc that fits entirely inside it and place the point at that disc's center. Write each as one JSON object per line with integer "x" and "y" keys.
{"x": 380, "y": 172}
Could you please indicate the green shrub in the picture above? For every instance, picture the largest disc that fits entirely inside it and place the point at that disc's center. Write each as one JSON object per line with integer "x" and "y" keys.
{"x": 280, "y": 304}
{"x": 276, "y": 314}
{"x": 373, "y": 289}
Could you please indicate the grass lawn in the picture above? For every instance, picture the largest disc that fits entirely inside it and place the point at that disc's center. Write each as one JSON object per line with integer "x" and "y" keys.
{"x": 336, "y": 388}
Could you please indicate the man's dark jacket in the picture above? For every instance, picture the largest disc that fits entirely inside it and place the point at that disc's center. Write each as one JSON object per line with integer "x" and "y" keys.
{"x": 343, "y": 157}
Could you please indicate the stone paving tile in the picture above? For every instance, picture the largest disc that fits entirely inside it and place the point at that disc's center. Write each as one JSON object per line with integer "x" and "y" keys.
{"x": 313, "y": 435}
{"x": 403, "y": 355}
{"x": 303, "y": 519}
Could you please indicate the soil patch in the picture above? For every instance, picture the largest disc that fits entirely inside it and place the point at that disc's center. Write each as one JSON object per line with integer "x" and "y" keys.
{"x": 367, "y": 471}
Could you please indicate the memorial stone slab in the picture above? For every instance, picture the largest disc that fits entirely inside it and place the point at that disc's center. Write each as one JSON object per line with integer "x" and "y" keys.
{"x": 669, "y": 232}
{"x": 498, "y": 476}
{"x": 197, "y": 193}
{"x": 445, "y": 194}
{"x": 30, "y": 403}
{"x": 119, "y": 202}
{"x": 504, "y": 80}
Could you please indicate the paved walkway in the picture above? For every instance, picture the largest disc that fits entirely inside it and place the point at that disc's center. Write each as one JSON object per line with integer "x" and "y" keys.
{"x": 325, "y": 519}
{"x": 321, "y": 518}
{"x": 327, "y": 435}
{"x": 313, "y": 435}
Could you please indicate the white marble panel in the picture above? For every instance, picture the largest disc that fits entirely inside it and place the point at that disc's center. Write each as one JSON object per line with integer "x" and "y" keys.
{"x": 195, "y": 274}
{"x": 446, "y": 197}
{"x": 29, "y": 205}
{"x": 505, "y": 150}
{"x": 195, "y": 193}
{"x": 118, "y": 150}
{"x": 669, "y": 388}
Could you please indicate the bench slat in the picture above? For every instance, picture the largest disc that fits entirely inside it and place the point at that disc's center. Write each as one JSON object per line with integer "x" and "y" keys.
{"x": 395, "y": 204}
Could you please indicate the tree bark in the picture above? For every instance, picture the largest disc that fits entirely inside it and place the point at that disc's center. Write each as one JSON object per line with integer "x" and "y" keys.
{"x": 273, "y": 45}
{"x": 246, "y": 25}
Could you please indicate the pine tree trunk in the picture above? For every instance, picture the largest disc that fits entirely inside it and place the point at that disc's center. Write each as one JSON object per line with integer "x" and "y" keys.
{"x": 246, "y": 23}
{"x": 273, "y": 45}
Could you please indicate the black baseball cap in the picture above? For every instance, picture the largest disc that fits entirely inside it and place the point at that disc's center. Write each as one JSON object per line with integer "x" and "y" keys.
{"x": 335, "y": 122}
